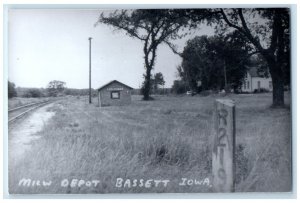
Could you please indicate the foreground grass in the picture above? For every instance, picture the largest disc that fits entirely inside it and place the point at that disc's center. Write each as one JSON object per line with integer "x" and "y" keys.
{"x": 168, "y": 138}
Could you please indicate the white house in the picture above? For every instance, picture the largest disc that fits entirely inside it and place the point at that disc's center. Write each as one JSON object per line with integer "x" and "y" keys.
{"x": 255, "y": 81}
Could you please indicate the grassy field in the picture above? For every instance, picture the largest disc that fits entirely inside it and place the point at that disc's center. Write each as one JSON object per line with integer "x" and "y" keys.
{"x": 20, "y": 101}
{"x": 165, "y": 139}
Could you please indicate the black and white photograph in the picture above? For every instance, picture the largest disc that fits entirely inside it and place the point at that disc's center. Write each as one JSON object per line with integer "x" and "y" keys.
{"x": 149, "y": 100}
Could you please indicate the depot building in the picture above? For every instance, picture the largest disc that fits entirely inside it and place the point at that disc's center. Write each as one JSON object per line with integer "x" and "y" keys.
{"x": 114, "y": 93}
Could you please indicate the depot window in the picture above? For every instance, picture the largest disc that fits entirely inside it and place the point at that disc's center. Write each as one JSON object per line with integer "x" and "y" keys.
{"x": 115, "y": 95}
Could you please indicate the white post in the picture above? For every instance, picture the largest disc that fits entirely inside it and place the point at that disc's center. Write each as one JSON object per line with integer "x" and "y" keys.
{"x": 223, "y": 155}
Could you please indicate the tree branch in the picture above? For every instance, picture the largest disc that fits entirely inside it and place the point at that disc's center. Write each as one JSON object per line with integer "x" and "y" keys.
{"x": 125, "y": 25}
{"x": 274, "y": 33}
{"x": 244, "y": 30}
{"x": 248, "y": 56}
{"x": 244, "y": 24}
{"x": 247, "y": 31}
{"x": 150, "y": 33}
{"x": 153, "y": 48}
{"x": 172, "y": 47}
{"x": 229, "y": 23}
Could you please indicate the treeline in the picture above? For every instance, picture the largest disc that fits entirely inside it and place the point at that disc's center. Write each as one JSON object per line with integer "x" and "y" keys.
{"x": 158, "y": 91}
{"x": 14, "y": 91}
{"x": 31, "y": 92}
{"x": 11, "y": 90}
{"x": 216, "y": 62}
{"x": 79, "y": 92}
{"x": 219, "y": 63}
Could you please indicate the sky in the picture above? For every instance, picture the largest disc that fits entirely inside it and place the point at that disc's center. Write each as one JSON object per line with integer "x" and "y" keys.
{"x": 45, "y": 45}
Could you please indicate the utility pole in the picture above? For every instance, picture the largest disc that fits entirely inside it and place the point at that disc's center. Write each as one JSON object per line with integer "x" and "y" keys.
{"x": 90, "y": 90}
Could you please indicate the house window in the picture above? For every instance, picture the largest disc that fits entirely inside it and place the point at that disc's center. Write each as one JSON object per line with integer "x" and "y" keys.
{"x": 248, "y": 84}
{"x": 270, "y": 84}
{"x": 115, "y": 95}
{"x": 258, "y": 84}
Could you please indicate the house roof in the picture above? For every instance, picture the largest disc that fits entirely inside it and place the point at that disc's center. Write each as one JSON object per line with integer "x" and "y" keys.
{"x": 253, "y": 71}
{"x": 105, "y": 85}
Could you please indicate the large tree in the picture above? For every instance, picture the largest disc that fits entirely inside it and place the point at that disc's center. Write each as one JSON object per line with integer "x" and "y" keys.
{"x": 152, "y": 27}
{"x": 55, "y": 87}
{"x": 268, "y": 30}
{"x": 218, "y": 62}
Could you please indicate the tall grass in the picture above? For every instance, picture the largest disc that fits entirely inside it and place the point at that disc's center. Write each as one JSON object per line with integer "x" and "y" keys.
{"x": 168, "y": 138}
{"x": 20, "y": 101}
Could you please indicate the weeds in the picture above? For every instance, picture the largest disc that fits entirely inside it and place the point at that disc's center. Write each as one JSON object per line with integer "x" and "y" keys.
{"x": 20, "y": 101}
{"x": 169, "y": 138}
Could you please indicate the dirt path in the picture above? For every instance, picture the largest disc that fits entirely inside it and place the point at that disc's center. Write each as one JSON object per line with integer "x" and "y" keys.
{"x": 24, "y": 131}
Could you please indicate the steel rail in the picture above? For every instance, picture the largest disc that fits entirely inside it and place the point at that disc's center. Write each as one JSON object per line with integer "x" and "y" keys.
{"x": 27, "y": 105}
{"x": 25, "y": 112}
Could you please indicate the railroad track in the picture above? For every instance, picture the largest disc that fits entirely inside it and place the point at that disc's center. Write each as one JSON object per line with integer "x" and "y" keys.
{"x": 16, "y": 113}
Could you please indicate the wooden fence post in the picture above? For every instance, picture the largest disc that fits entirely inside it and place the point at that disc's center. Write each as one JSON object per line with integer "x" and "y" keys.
{"x": 223, "y": 155}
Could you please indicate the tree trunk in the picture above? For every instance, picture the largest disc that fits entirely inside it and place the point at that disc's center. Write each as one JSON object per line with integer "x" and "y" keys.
{"x": 277, "y": 82}
{"x": 149, "y": 63}
{"x": 278, "y": 90}
{"x": 147, "y": 83}
{"x": 278, "y": 93}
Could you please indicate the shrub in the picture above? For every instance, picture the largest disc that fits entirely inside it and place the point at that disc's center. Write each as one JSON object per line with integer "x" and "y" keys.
{"x": 206, "y": 93}
{"x": 11, "y": 90}
{"x": 261, "y": 90}
{"x": 34, "y": 92}
{"x": 179, "y": 87}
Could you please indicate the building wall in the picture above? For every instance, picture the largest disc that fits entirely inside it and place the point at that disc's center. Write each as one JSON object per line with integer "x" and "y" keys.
{"x": 251, "y": 83}
{"x": 264, "y": 83}
{"x": 246, "y": 87}
{"x": 105, "y": 95}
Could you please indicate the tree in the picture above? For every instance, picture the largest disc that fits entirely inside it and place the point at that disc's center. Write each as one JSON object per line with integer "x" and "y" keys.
{"x": 268, "y": 30}
{"x": 216, "y": 62}
{"x": 55, "y": 87}
{"x": 33, "y": 92}
{"x": 11, "y": 90}
{"x": 157, "y": 80}
{"x": 179, "y": 87}
{"x": 152, "y": 27}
